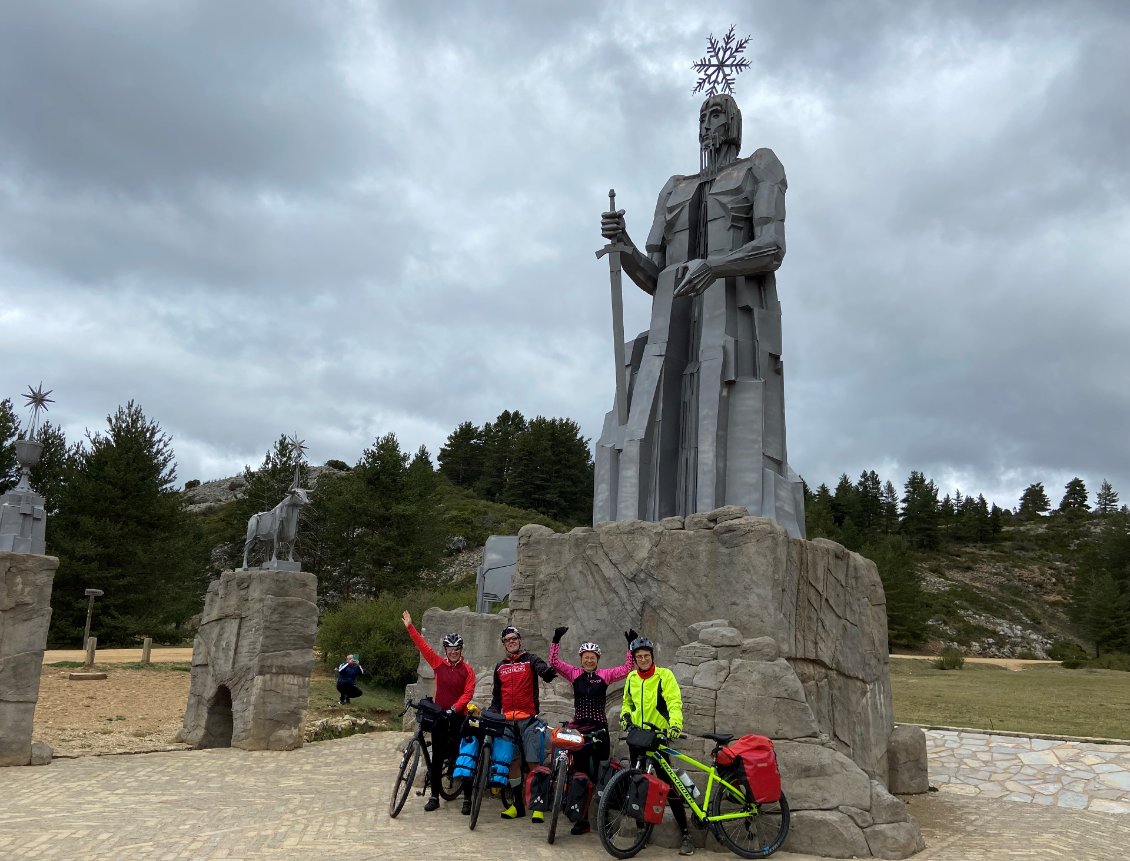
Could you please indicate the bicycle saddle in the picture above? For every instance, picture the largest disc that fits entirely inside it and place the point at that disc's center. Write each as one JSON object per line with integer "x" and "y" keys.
{"x": 718, "y": 737}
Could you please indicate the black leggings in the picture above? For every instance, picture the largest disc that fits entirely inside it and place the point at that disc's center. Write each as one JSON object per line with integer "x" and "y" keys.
{"x": 445, "y": 746}
{"x": 674, "y": 800}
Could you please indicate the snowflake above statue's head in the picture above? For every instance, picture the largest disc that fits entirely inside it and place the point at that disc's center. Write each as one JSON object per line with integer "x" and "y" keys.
{"x": 718, "y": 68}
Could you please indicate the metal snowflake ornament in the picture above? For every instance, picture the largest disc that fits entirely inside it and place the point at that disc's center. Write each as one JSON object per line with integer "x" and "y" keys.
{"x": 38, "y": 400}
{"x": 718, "y": 68}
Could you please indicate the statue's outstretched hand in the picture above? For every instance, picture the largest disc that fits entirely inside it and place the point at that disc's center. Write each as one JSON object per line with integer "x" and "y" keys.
{"x": 612, "y": 226}
{"x": 697, "y": 278}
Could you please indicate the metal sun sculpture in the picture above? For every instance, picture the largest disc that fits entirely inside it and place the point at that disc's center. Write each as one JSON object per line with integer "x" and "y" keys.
{"x": 718, "y": 68}
{"x": 38, "y": 400}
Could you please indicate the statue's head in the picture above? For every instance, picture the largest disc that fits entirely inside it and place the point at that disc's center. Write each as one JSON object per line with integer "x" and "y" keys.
{"x": 719, "y": 130}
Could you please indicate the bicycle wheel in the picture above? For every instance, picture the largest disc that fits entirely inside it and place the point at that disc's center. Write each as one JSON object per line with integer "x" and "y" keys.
{"x": 482, "y": 776}
{"x": 757, "y": 835}
{"x": 621, "y": 834}
{"x": 450, "y": 787}
{"x": 404, "y": 777}
{"x": 557, "y": 802}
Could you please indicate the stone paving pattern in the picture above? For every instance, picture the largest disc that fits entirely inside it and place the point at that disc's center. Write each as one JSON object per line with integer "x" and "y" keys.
{"x": 330, "y": 800}
{"x": 1042, "y": 771}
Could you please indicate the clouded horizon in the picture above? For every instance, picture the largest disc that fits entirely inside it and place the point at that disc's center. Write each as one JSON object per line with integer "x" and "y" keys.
{"x": 344, "y": 220}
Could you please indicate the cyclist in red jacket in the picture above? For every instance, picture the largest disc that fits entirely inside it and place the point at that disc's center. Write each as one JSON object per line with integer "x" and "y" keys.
{"x": 455, "y": 685}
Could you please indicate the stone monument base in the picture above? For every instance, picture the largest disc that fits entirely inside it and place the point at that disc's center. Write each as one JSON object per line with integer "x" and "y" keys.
{"x": 25, "y": 613}
{"x": 766, "y": 634}
{"x": 251, "y": 661}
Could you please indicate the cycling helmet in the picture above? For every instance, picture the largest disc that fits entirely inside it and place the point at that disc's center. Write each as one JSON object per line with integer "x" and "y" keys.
{"x": 588, "y": 647}
{"x": 453, "y": 641}
{"x": 507, "y": 631}
{"x": 640, "y": 643}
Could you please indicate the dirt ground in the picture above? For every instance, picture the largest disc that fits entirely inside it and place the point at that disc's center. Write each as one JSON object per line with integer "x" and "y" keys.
{"x": 130, "y": 710}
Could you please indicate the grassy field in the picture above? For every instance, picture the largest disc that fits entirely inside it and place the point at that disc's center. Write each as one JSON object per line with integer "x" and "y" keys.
{"x": 1044, "y": 698}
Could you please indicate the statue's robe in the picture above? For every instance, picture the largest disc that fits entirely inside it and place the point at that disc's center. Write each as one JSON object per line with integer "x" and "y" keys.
{"x": 706, "y": 405}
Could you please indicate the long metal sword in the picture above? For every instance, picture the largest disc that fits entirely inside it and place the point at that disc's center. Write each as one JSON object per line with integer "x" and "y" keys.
{"x": 613, "y": 250}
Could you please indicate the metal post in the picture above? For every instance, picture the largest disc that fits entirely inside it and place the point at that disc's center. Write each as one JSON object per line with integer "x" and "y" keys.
{"x": 91, "y": 594}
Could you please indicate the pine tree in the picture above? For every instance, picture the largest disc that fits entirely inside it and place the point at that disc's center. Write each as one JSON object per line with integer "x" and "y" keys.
{"x": 552, "y": 471}
{"x": 9, "y": 432}
{"x": 818, "y": 518}
{"x": 499, "y": 440}
{"x": 920, "y": 512}
{"x": 906, "y": 605}
{"x": 1034, "y": 501}
{"x": 1106, "y": 500}
{"x": 122, "y": 527}
{"x": 461, "y": 457}
{"x": 889, "y": 517}
{"x": 845, "y": 503}
{"x": 1074, "y": 497}
{"x": 869, "y": 497}
{"x": 56, "y": 464}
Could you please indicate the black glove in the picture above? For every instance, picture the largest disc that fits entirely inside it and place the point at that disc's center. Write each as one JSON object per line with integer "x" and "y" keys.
{"x": 558, "y": 633}
{"x": 631, "y": 635}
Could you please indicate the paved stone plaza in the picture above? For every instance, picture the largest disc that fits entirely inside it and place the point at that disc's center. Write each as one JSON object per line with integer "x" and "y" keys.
{"x": 1044, "y": 771}
{"x": 329, "y": 800}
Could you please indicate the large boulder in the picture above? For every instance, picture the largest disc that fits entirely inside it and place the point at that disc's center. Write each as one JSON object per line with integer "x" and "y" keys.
{"x": 25, "y": 614}
{"x": 251, "y": 661}
{"x": 818, "y": 605}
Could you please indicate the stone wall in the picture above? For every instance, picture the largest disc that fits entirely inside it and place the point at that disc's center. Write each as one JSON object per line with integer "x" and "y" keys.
{"x": 25, "y": 613}
{"x": 251, "y": 661}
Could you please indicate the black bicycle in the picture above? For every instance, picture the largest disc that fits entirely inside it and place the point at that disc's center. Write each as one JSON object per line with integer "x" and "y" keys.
{"x": 428, "y": 715}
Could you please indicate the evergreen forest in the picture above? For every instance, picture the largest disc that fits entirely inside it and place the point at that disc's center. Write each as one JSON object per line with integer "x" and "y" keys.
{"x": 388, "y": 531}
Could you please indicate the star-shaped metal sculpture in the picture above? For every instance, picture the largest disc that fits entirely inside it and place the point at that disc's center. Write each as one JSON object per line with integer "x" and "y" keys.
{"x": 298, "y": 446}
{"x": 718, "y": 68}
{"x": 38, "y": 400}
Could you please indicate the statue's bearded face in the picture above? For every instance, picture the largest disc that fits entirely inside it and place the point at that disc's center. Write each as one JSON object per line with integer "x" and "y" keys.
{"x": 713, "y": 125}
{"x": 719, "y": 125}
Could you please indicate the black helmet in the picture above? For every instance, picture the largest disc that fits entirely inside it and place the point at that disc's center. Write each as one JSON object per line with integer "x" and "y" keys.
{"x": 640, "y": 643}
{"x": 507, "y": 631}
{"x": 453, "y": 641}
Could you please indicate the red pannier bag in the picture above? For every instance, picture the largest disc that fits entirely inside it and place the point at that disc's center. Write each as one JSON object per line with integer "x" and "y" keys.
{"x": 752, "y": 761}
{"x": 647, "y": 798}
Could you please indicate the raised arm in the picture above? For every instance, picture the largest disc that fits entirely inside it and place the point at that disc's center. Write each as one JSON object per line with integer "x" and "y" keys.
{"x": 427, "y": 651}
{"x": 567, "y": 670}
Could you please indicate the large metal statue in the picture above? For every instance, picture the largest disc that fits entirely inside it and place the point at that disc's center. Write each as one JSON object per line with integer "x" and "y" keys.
{"x": 700, "y": 418}
{"x": 279, "y": 526}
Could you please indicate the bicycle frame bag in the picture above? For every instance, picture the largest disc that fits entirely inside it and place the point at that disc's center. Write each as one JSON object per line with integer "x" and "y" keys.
{"x": 643, "y": 738}
{"x": 647, "y": 798}
{"x": 501, "y": 755}
{"x": 468, "y": 755}
{"x": 492, "y": 723}
{"x": 577, "y": 796}
{"x": 428, "y": 715}
{"x": 752, "y": 762}
{"x": 538, "y": 785}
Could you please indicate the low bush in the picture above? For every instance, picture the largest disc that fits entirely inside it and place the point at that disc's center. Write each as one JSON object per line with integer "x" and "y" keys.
{"x": 1065, "y": 650}
{"x": 374, "y": 632}
{"x": 951, "y": 658}
{"x": 1112, "y": 661}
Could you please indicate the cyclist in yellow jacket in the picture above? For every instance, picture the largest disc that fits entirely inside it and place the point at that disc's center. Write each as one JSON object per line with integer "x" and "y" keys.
{"x": 651, "y": 695}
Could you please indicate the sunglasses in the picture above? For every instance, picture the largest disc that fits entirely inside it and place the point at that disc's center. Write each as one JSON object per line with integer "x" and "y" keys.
{"x": 511, "y": 639}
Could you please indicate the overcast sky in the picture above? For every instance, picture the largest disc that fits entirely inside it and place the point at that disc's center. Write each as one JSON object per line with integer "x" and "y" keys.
{"x": 345, "y": 219}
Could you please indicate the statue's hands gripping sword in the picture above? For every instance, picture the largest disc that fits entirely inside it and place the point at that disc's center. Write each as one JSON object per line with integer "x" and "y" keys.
{"x": 612, "y": 228}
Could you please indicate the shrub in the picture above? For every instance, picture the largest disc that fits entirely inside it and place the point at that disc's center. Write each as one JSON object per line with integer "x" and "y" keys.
{"x": 951, "y": 658}
{"x": 374, "y": 631}
{"x": 189, "y": 485}
{"x": 1112, "y": 661}
{"x": 338, "y": 464}
{"x": 1065, "y": 650}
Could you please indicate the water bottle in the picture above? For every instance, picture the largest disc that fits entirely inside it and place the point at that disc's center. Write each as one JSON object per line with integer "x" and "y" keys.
{"x": 685, "y": 779}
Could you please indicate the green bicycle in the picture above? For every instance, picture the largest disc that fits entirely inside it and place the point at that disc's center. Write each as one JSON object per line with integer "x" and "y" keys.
{"x": 744, "y": 826}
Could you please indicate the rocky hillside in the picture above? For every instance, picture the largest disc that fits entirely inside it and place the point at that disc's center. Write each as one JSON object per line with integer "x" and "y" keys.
{"x": 1008, "y": 599}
